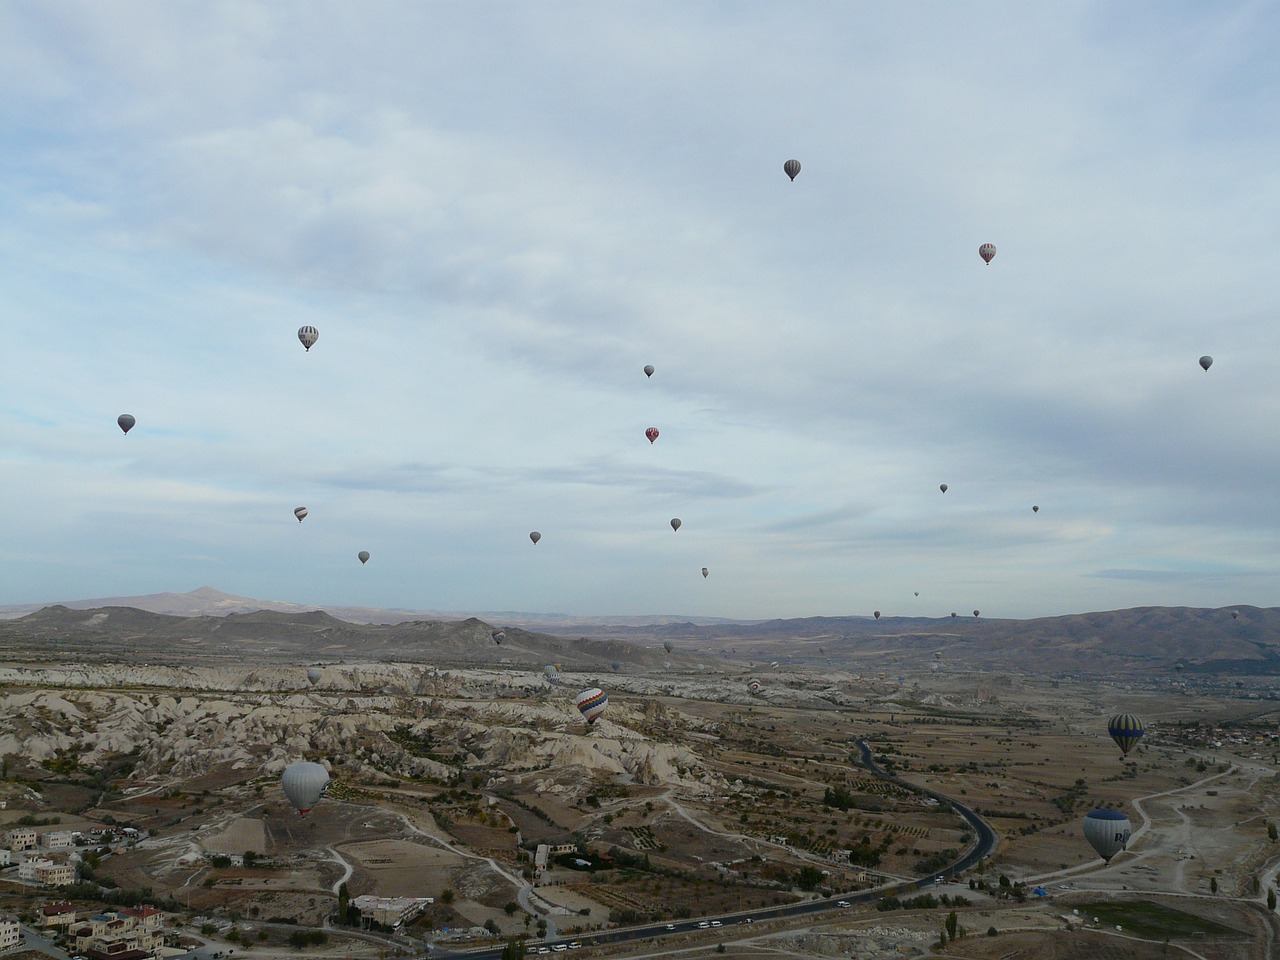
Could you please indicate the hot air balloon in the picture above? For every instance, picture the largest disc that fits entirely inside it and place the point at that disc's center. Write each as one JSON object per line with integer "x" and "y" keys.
{"x": 666, "y": 664}
{"x": 314, "y": 674}
{"x": 1178, "y": 667}
{"x": 953, "y": 613}
{"x": 876, "y": 614}
{"x": 552, "y": 674}
{"x": 1035, "y": 509}
{"x": 774, "y": 664}
{"x": 304, "y": 784}
{"x": 668, "y": 646}
{"x": 1206, "y": 362}
{"x": 648, "y": 369}
{"x": 753, "y": 686}
{"x": 363, "y": 556}
{"x": 705, "y": 573}
{"x": 934, "y": 665}
{"x": 615, "y": 666}
{"x": 987, "y": 252}
{"x": 592, "y": 702}
{"x": 126, "y": 421}
{"x": 300, "y": 513}
{"x": 675, "y": 523}
{"x": 1107, "y": 832}
{"x": 652, "y": 434}
{"x": 535, "y": 536}
{"x": 1235, "y": 614}
{"x": 975, "y": 613}
{"x": 308, "y": 336}
{"x": 917, "y": 593}
{"x": 1126, "y": 730}
{"x": 791, "y": 168}
{"x": 942, "y": 487}
{"x": 498, "y": 636}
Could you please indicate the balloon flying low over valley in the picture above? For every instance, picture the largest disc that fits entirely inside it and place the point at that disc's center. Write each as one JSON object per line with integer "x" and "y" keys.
{"x": 426, "y": 276}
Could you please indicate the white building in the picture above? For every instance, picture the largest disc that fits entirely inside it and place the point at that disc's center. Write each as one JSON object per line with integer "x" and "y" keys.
{"x": 22, "y": 838}
{"x": 6, "y": 858}
{"x": 391, "y": 911}
{"x": 10, "y": 934}
{"x": 60, "y": 840}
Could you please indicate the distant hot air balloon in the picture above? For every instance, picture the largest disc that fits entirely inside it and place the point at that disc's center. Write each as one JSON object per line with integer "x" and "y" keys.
{"x": 953, "y": 613}
{"x": 876, "y": 614}
{"x": 1126, "y": 730}
{"x": 552, "y": 674}
{"x": 705, "y": 573}
{"x": 666, "y": 664}
{"x": 535, "y": 536}
{"x": 668, "y": 646}
{"x": 648, "y": 369}
{"x": 498, "y": 636}
{"x": 615, "y": 666}
{"x": 1235, "y": 614}
{"x": 304, "y": 784}
{"x": 791, "y": 168}
{"x": 314, "y": 674}
{"x": 675, "y": 523}
{"x": 1107, "y": 832}
{"x": 774, "y": 664}
{"x": 363, "y": 556}
{"x": 1206, "y": 362}
{"x": 1035, "y": 509}
{"x": 934, "y": 665}
{"x": 308, "y": 336}
{"x": 126, "y": 421}
{"x": 942, "y": 487}
{"x": 753, "y": 686}
{"x": 917, "y": 593}
{"x": 652, "y": 434}
{"x": 592, "y": 702}
{"x": 975, "y": 613}
{"x": 987, "y": 252}
{"x": 1179, "y": 667}
{"x": 300, "y": 513}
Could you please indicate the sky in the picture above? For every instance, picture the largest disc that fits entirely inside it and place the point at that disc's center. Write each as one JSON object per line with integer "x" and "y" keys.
{"x": 496, "y": 214}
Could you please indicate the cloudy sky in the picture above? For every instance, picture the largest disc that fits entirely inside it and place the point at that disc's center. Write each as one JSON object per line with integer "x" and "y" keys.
{"x": 497, "y": 213}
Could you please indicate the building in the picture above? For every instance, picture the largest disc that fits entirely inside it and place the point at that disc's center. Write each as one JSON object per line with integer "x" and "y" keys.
{"x": 128, "y": 935}
{"x": 10, "y": 933}
{"x": 22, "y": 838}
{"x": 6, "y": 858}
{"x": 60, "y": 914}
{"x": 59, "y": 840}
{"x": 391, "y": 911}
{"x": 44, "y": 871}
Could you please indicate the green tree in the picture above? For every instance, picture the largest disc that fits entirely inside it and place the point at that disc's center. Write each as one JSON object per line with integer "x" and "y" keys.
{"x": 344, "y": 901}
{"x": 250, "y": 858}
{"x": 446, "y": 895}
{"x": 952, "y": 921}
{"x": 511, "y": 908}
{"x": 1213, "y": 884}
{"x": 1271, "y": 831}
{"x": 808, "y": 878}
{"x": 513, "y": 950}
{"x": 1271, "y": 899}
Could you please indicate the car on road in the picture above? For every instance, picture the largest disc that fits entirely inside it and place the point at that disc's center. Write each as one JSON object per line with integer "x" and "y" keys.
{"x": 842, "y": 903}
{"x": 574, "y": 944}
{"x": 544, "y": 949}
{"x": 671, "y": 926}
{"x": 748, "y": 920}
{"x": 703, "y": 924}
{"x": 937, "y": 879}
{"x": 716, "y": 923}
{"x": 560, "y": 947}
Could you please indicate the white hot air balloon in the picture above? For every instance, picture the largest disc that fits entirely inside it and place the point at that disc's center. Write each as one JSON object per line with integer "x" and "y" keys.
{"x": 304, "y": 784}
{"x": 308, "y": 335}
{"x": 1107, "y": 832}
{"x": 314, "y": 674}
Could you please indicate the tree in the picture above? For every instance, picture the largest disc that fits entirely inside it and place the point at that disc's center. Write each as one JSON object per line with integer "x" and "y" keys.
{"x": 513, "y": 950}
{"x": 250, "y": 858}
{"x": 344, "y": 900}
{"x": 952, "y": 921}
{"x": 1213, "y": 884}
{"x": 1271, "y": 831}
{"x": 808, "y": 878}
{"x": 1271, "y": 899}
{"x": 446, "y": 895}
{"x": 511, "y": 908}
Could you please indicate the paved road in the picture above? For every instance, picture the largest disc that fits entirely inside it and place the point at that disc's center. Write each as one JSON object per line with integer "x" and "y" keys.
{"x": 985, "y": 842}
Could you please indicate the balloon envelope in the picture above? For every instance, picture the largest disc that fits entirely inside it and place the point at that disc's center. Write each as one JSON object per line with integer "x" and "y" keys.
{"x": 648, "y": 369}
{"x": 1035, "y": 509}
{"x": 592, "y": 702}
{"x": 1107, "y": 832}
{"x": 535, "y": 536}
{"x": 975, "y": 613}
{"x": 363, "y": 556}
{"x": 125, "y": 421}
{"x": 300, "y": 513}
{"x": 652, "y": 434}
{"x": 1206, "y": 362}
{"x": 1126, "y": 730}
{"x": 987, "y": 252}
{"x": 615, "y": 666}
{"x": 304, "y": 784}
{"x": 308, "y": 336}
{"x": 753, "y": 686}
{"x": 942, "y": 487}
{"x": 675, "y": 523}
{"x": 791, "y": 168}
{"x": 668, "y": 646}
{"x": 876, "y": 614}
{"x": 705, "y": 573}
{"x": 498, "y": 637}
{"x": 314, "y": 674}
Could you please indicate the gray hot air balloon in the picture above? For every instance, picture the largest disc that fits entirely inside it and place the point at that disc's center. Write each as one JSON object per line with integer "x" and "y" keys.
{"x": 705, "y": 573}
{"x": 1035, "y": 509}
{"x": 1107, "y": 832}
{"x": 552, "y": 673}
{"x": 668, "y": 646}
{"x": 314, "y": 674}
{"x": 1206, "y": 362}
{"x": 1234, "y": 614}
{"x": 126, "y": 421}
{"x": 987, "y": 252}
{"x": 942, "y": 487}
{"x": 648, "y": 369}
{"x": 498, "y": 636}
{"x": 666, "y": 664}
{"x": 876, "y": 614}
{"x": 615, "y": 666}
{"x": 363, "y": 556}
{"x": 675, "y": 523}
{"x": 308, "y": 335}
{"x": 791, "y": 168}
{"x": 535, "y": 536}
{"x": 304, "y": 784}
{"x": 976, "y": 613}
{"x": 917, "y": 593}
{"x": 300, "y": 513}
